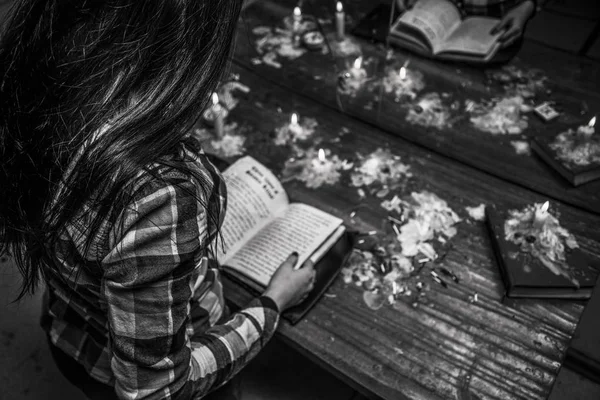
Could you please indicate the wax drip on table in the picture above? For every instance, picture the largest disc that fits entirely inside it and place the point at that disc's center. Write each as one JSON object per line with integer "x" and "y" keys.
{"x": 518, "y": 82}
{"x": 315, "y": 168}
{"x": 401, "y": 268}
{"x": 298, "y": 129}
{"x": 521, "y": 147}
{"x": 477, "y": 213}
{"x": 500, "y": 116}
{"x": 282, "y": 42}
{"x": 231, "y": 144}
{"x": 578, "y": 148}
{"x": 380, "y": 168}
{"x": 431, "y": 111}
{"x": 403, "y": 82}
{"x": 537, "y": 232}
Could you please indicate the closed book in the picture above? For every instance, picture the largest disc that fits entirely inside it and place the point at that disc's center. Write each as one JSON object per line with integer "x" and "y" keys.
{"x": 576, "y": 175}
{"x": 526, "y": 276}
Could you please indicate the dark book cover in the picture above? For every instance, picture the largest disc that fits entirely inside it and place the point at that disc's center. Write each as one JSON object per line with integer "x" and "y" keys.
{"x": 327, "y": 269}
{"x": 583, "y": 354}
{"x": 576, "y": 175}
{"x": 527, "y": 277}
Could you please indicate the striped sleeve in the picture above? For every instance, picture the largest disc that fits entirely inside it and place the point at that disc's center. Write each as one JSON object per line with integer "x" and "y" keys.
{"x": 148, "y": 287}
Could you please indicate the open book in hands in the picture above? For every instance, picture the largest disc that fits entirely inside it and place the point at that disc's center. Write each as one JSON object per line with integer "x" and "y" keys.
{"x": 262, "y": 228}
{"x": 435, "y": 28}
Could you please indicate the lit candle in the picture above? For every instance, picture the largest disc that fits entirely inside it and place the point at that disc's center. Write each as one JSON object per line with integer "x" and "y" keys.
{"x": 294, "y": 127}
{"x": 357, "y": 63}
{"x": 321, "y": 156}
{"x": 394, "y": 288}
{"x": 296, "y": 25}
{"x": 219, "y": 116}
{"x": 340, "y": 21}
{"x": 402, "y": 73}
{"x": 297, "y": 15}
{"x": 320, "y": 164}
{"x": 541, "y": 215}
{"x": 357, "y": 71}
{"x": 588, "y": 130}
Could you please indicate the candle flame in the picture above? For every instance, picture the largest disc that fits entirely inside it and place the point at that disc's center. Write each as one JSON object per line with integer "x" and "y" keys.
{"x": 339, "y": 7}
{"x": 321, "y": 155}
{"x": 215, "y": 99}
{"x": 592, "y": 122}
{"x": 545, "y": 207}
{"x": 395, "y": 287}
{"x": 403, "y": 73}
{"x": 358, "y": 62}
{"x": 297, "y": 12}
{"x": 294, "y": 119}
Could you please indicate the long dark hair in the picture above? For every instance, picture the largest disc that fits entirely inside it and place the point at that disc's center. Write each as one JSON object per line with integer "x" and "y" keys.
{"x": 140, "y": 71}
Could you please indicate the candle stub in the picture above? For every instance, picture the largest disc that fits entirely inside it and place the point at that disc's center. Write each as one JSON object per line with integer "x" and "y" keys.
{"x": 541, "y": 215}
{"x": 295, "y": 128}
{"x": 588, "y": 130}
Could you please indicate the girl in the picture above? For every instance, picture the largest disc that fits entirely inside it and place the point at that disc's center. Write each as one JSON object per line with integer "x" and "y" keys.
{"x": 109, "y": 203}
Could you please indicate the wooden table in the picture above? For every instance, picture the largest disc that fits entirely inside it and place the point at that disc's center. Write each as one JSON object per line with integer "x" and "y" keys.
{"x": 573, "y": 83}
{"x": 446, "y": 347}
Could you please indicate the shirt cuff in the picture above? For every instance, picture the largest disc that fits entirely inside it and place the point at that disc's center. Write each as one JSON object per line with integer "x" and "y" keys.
{"x": 268, "y": 302}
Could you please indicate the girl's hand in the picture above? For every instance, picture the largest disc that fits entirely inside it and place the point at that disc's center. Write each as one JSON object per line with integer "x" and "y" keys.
{"x": 289, "y": 287}
{"x": 513, "y": 23}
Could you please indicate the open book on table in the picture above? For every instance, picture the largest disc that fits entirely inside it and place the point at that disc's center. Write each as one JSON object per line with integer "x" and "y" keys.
{"x": 262, "y": 228}
{"x": 435, "y": 28}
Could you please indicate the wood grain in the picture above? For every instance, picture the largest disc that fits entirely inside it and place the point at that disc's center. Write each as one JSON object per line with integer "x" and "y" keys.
{"x": 573, "y": 83}
{"x": 445, "y": 347}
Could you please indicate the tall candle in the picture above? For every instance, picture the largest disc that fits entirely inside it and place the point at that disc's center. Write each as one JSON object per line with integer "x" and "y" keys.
{"x": 587, "y": 130}
{"x": 541, "y": 215}
{"x": 340, "y": 21}
{"x": 219, "y": 116}
{"x": 296, "y": 25}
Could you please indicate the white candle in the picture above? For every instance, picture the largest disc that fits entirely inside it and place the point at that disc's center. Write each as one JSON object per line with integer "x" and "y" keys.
{"x": 294, "y": 127}
{"x": 402, "y": 73}
{"x": 541, "y": 215}
{"x": 219, "y": 116}
{"x": 587, "y": 130}
{"x": 340, "y": 21}
{"x": 320, "y": 164}
{"x": 321, "y": 156}
{"x": 296, "y": 25}
{"x": 357, "y": 71}
{"x": 403, "y": 70}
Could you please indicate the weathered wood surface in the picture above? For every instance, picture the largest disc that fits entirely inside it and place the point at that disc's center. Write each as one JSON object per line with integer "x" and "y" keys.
{"x": 573, "y": 83}
{"x": 446, "y": 347}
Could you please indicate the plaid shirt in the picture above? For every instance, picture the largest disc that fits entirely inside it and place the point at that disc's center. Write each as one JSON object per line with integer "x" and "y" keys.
{"x": 143, "y": 310}
{"x": 488, "y": 8}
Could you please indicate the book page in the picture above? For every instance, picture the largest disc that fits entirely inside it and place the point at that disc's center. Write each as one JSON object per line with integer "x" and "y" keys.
{"x": 436, "y": 19}
{"x": 254, "y": 197}
{"x": 301, "y": 228}
{"x": 472, "y": 36}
